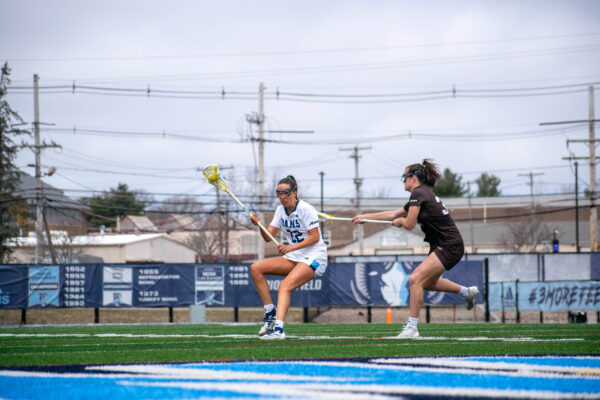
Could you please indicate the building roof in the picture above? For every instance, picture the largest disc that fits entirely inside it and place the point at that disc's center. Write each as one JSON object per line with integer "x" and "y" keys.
{"x": 179, "y": 222}
{"x": 98, "y": 240}
{"x": 139, "y": 222}
{"x": 27, "y": 189}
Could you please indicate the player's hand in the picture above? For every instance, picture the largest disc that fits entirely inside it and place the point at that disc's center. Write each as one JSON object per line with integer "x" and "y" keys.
{"x": 283, "y": 249}
{"x": 254, "y": 219}
{"x": 397, "y": 222}
{"x": 357, "y": 219}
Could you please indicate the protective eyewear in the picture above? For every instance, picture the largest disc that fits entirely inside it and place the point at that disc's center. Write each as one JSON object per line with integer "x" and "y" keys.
{"x": 285, "y": 192}
{"x": 409, "y": 174}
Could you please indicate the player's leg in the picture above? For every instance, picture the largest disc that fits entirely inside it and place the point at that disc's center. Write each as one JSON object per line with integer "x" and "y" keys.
{"x": 441, "y": 285}
{"x": 258, "y": 270}
{"x": 427, "y": 272}
{"x": 449, "y": 257}
{"x": 469, "y": 294}
{"x": 301, "y": 274}
{"x": 297, "y": 277}
{"x": 269, "y": 266}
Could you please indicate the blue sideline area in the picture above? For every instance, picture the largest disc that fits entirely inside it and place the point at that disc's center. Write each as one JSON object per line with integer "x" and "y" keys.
{"x": 431, "y": 378}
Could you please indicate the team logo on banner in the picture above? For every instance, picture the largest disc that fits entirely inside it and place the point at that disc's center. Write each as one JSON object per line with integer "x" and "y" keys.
{"x": 117, "y": 287}
{"x": 44, "y": 286}
{"x": 210, "y": 285}
{"x": 387, "y": 283}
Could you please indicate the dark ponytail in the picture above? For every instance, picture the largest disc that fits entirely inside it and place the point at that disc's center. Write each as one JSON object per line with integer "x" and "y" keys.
{"x": 427, "y": 172}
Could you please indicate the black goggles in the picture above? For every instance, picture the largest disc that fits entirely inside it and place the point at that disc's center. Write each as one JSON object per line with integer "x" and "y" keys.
{"x": 409, "y": 174}
{"x": 285, "y": 192}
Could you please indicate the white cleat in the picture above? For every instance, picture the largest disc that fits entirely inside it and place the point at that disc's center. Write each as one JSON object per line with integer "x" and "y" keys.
{"x": 269, "y": 323}
{"x": 470, "y": 299}
{"x": 408, "y": 333}
{"x": 277, "y": 334}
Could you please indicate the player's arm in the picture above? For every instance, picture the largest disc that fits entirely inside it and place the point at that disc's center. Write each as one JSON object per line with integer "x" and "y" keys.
{"x": 272, "y": 229}
{"x": 313, "y": 237}
{"x": 410, "y": 220}
{"x": 381, "y": 216}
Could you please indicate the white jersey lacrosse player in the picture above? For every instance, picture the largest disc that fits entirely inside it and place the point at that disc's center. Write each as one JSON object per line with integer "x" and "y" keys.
{"x": 300, "y": 260}
{"x": 295, "y": 226}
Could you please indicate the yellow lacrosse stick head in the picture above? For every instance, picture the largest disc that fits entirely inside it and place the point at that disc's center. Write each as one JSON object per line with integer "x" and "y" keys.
{"x": 325, "y": 217}
{"x": 211, "y": 174}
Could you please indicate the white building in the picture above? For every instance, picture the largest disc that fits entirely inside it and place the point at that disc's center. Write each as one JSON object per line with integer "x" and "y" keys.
{"x": 108, "y": 248}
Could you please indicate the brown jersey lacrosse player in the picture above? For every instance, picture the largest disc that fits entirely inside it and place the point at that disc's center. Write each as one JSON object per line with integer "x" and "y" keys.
{"x": 446, "y": 246}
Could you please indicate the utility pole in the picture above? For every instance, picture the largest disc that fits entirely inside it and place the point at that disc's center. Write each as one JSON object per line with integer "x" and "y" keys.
{"x": 576, "y": 208}
{"x": 592, "y": 147}
{"x": 592, "y": 230}
{"x": 226, "y": 259}
{"x": 471, "y": 219}
{"x": 260, "y": 121}
{"x": 39, "y": 217}
{"x": 40, "y": 225}
{"x": 358, "y": 183}
{"x": 592, "y": 159}
{"x": 531, "y": 175}
{"x": 220, "y": 235}
{"x": 322, "y": 175}
{"x": 261, "y": 162}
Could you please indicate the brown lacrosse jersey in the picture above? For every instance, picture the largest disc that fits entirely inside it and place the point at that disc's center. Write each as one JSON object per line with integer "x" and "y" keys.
{"x": 434, "y": 218}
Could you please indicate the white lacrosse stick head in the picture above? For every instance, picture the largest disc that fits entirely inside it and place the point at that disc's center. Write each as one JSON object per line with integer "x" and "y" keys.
{"x": 211, "y": 174}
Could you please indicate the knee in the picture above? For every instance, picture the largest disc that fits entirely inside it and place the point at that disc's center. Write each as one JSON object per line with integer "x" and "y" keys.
{"x": 284, "y": 287}
{"x": 414, "y": 280}
{"x": 255, "y": 269}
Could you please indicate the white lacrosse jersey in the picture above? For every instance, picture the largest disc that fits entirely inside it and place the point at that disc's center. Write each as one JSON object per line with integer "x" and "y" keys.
{"x": 295, "y": 226}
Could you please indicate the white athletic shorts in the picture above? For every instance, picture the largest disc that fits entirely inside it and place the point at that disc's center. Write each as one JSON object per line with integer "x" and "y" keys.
{"x": 318, "y": 264}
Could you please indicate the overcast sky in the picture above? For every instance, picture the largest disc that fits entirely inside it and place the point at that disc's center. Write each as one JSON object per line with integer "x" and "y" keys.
{"x": 383, "y": 71}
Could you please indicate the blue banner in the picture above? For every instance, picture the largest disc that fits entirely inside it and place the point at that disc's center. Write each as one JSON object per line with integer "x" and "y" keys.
{"x": 545, "y": 296}
{"x": 13, "y": 286}
{"x": 595, "y": 267}
{"x": 381, "y": 284}
{"x": 230, "y": 285}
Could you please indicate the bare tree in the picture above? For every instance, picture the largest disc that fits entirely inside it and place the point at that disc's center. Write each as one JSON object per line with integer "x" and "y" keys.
{"x": 206, "y": 245}
{"x": 381, "y": 192}
{"x": 65, "y": 249}
{"x": 526, "y": 236}
{"x": 178, "y": 205}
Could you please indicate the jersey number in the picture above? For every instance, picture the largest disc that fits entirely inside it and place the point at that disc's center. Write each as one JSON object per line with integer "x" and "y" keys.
{"x": 296, "y": 235}
{"x": 444, "y": 209}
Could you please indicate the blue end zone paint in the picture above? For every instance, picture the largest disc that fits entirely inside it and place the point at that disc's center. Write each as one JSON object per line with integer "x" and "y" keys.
{"x": 427, "y": 377}
{"x": 582, "y": 361}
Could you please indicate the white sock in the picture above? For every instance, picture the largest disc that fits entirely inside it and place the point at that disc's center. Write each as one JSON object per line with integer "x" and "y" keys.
{"x": 412, "y": 322}
{"x": 464, "y": 291}
{"x": 269, "y": 308}
{"x": 279, "y": 323}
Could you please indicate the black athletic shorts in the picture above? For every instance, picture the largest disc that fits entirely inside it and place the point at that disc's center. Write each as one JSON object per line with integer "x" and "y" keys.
{"x": 449, "y": 255}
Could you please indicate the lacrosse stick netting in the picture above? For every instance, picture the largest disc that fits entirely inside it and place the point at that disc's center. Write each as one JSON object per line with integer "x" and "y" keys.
{"x": 212, "y": 176}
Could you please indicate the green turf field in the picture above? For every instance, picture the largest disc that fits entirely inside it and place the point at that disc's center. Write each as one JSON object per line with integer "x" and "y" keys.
{"x": 105, "y": 344}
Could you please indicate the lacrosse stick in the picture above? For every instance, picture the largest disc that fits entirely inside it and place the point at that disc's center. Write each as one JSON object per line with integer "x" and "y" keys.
{"x": 327, "y": 217}
{"x": 211, "y": 174}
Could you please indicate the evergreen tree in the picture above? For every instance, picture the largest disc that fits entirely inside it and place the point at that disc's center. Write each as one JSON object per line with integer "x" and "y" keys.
{"x": 119, "y": 202}
{"x": 487, "y": 185}
{"x": 449, "y": 185}
{"x": 9, "y": 173}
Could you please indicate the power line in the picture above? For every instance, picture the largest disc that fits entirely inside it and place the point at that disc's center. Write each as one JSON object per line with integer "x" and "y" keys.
{"x": 387, "y": 65}
{"x": 410, "y": 135}
{"x": 352, "y": 98}
{"x": 294, "y": 52}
